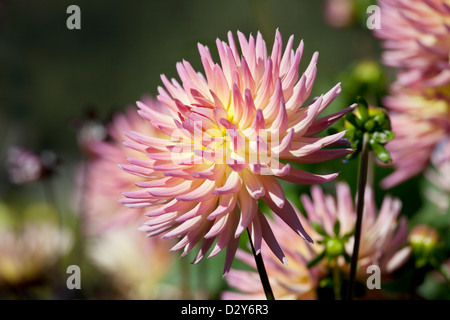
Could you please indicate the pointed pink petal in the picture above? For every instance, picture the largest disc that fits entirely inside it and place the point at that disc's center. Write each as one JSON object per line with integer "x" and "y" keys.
{"x": 226, "y": 205}
{"x": 204, "y": 207}
{"x": 253, "y": 184}
{"x": 303, "y": 177}
{"x": 269, "y": 238}
{"x": 232, "y": 185}
{"x": 321, "y": 124}
{"x": 200, "y": 193}
{"x": 249, "y": 208}
{"x": 289, "y": 216}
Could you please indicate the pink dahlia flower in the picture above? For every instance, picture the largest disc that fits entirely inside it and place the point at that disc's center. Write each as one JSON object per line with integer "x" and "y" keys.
{"x": 383, "y": 237}
{"x": 417, "y": 40}
{"x": 419, "y": 123}
{"x": 225, "y": 135}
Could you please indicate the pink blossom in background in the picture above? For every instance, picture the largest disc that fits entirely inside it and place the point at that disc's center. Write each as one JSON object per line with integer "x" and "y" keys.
{"x": 24, "y": 166}
{"x": 416, "y": 40}
{"x": 439, "y": 176}
{"x": 31, "y": 252}
{"x": 420, "y": 123}
{"x": 293, "y": 281}
{"x": 384, "y": 233}
{"x": 100, "y": 180}
{"x": 383, "y": 243}
{"x": 339, "y": 13}
{"x": 225, "y": 134}
{"x": 136, "y": 265}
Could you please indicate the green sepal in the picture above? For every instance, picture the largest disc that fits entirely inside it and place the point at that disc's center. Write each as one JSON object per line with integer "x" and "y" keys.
{"x": 319, "y": 229}
{"x": 380, "y": 151}
{"x": 337, "y": 228}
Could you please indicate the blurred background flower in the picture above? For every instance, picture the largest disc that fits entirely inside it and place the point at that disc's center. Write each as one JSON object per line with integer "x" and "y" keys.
{"x": 331, "y": 222}
{"x": 101, "y": 182}
{"x": 24, "y": 166}
{"x": 384, "y": 232}
{"x": 291, "y": 281}
{"x": 137, "y": 266}
{"x": 339, "y": 13}
{"x": 416, "y": 40}
{"x": 31, "y": 248}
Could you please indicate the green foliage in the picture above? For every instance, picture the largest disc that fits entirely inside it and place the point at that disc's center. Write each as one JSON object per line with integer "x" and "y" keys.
{"x": 373, "y": 121}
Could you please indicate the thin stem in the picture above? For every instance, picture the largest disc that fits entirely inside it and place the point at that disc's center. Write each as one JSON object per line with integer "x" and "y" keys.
{"x": 262, "y": 271}
{"x": 359, "y": 213}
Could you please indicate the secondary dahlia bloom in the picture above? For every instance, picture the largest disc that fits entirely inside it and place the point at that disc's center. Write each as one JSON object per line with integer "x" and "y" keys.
{"x": 225, "y": 137}
{"x": 439, "y": 175}
{"x": 417, "y": 40}
{"x": 384, "y": 234}
{"x": 293, "y": 281}
{"x": 420, "y": 122}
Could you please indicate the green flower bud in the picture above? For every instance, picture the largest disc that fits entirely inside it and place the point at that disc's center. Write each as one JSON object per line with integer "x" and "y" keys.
{"x": 334, "y": 248}
{"x": 372, "y": 121}
{"x": 369, "y": 125}
{"x": 363, "y": 109}
{"x": 426, "y": 244}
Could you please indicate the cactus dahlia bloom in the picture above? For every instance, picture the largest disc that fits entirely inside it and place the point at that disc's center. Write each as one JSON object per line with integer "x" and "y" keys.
{"x": 383, "y": 236}
{"x": 417, "y": 39}
{"x": 225, "y": 137}
{"x": 420, "y": 122}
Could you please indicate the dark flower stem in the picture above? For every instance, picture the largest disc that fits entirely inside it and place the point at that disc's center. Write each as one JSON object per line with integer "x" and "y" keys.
{"x": 359, "y": 213}
{"x": 262, "y": 271}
